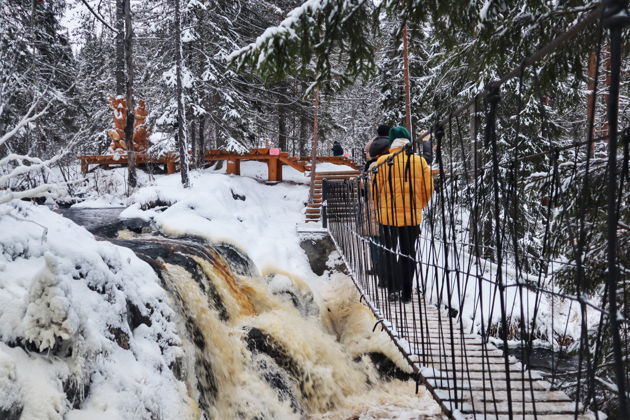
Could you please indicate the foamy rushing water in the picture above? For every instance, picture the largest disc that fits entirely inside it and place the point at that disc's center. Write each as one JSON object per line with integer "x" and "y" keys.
{"x": 266, "y": 347}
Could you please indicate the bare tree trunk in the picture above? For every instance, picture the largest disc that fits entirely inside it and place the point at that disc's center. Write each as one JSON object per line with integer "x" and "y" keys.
{"x": 303, "y": 134}
{"x": 181, "y": 117}
{"x": 120, "y": 47}
{"x": 590, "y": 101}
{"x": 202, "y": 140}
{"x": 282, "y": 119}
{"x": 407, "y": 82}
{"x": 193, "y": 146}
{"x": 215, "y": 134}
{"x": 131, "y": 153}
{"x": 304, "y": 120}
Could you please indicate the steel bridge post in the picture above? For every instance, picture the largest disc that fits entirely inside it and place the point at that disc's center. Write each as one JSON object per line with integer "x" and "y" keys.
{"x": 614, "y": 17}
{"x": 324, "y": 209}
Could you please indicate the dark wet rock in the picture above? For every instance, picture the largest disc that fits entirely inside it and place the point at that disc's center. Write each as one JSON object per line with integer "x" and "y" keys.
{"x": 135, "y": 317}
{"x": 386, "y": 368}
{"x": 75, "y": 391}
{"x": 260, "y": 342}
{"x": 302, "y": 300}
{"x": 279, "y": 382}
{"x": 13, "y": 412}
{"x": 240, "y": 263}
{"x": 206, "y": 382}
{"x": 137, "y": 225}
{"x": 120, "y": 337}
{"x": 61, "y": 347}
{"x": 109, "y": 230}
{"x": 178, "y": 369}
{"x": 238, "y": 196}
{"x": 294, "y": 299}
{"x": 195, "y": 334}
{"x": 67, "y": 203}
{"x": 156, "y": 205}
{"x": 318, "y": 250}
{"x": 178, "y": 252}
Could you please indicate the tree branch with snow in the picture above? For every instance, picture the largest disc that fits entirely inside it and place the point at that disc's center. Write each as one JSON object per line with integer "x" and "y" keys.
{"x": 309, "y": 37}
{"x": 15, "y": 166}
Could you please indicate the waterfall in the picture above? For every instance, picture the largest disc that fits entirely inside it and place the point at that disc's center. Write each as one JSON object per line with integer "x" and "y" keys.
{"x": 260, "y": 346}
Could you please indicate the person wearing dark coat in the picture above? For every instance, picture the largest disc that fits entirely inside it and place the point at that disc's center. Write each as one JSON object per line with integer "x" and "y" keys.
{"x": 382, "y": 134}
{"x": 367, "y": 217}
{"x": 427, "y": 149}
{"x": 337, "y": 149}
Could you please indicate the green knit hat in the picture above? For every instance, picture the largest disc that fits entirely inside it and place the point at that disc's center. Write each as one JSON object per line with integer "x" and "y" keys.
{"x": 398, "y": 132}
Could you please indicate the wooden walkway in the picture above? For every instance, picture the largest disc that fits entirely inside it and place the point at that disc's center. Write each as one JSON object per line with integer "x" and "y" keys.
{"x": 470, "y": 376}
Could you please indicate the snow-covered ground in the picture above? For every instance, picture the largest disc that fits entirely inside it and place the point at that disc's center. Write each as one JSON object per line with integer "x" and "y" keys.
{"x": 108, "y": 188}
{"x": 257, "y": 217}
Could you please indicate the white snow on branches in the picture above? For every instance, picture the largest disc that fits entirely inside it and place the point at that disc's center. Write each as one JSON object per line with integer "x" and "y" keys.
{"x": 49, "y": 315}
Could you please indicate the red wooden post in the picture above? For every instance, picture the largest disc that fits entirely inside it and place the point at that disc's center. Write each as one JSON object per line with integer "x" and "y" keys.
{"x": 84, "y": 166}
{"x": 233, "y": 167}
{"x": 170, "y": 166}
{"x": 274, "y": 168}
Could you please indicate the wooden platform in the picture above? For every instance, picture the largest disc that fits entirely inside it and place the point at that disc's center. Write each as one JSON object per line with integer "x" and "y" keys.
{"x": 275, "y": 160}
{"x": 105, "y": 161}
{"x": 470, "y": 376}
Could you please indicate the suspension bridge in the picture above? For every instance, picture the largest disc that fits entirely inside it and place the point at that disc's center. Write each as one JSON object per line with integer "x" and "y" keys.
{"x": 519, "y": 297}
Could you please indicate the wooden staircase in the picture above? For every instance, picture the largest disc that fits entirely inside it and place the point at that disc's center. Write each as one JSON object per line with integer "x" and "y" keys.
{"x": 313, "y": 208}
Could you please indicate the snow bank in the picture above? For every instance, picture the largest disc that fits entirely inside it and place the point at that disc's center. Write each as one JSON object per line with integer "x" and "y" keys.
{"x": 82, "y": 323}
{"x": 260, "y": 219}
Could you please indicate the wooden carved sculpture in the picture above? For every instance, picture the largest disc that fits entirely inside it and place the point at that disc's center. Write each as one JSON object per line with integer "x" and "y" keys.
{"x": 117, "y": 134}
{"x": 140, "y": 130}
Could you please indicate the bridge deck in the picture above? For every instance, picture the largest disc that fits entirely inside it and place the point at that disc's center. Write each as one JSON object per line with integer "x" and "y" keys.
{"x": 469, "y": 375}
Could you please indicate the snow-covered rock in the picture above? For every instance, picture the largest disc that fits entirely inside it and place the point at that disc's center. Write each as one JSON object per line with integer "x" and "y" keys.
{"x": 67, "y": 348}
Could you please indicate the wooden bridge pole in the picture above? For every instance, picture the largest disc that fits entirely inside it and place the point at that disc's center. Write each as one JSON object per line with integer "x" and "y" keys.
{"x": 233, "y": 167}
{"x": 274, "y": 168}
{"x": 170, "y": 166}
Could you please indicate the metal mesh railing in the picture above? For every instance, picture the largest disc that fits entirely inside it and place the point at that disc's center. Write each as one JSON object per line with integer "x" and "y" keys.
{"x": 510, "y": 290}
